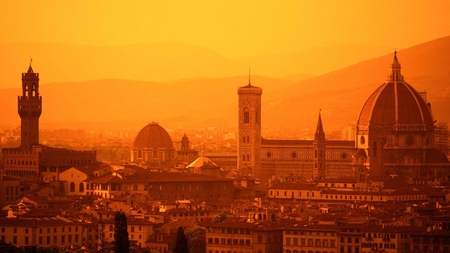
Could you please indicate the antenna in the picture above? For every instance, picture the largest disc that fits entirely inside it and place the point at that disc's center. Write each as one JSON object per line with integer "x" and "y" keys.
{"x": 31, "y": 60}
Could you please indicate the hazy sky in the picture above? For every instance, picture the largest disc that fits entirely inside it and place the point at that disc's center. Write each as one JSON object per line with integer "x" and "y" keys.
{"x": 232, "y": 28}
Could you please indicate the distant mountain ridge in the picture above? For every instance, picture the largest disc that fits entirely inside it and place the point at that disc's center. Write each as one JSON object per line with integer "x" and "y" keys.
{"x": 161, "y": 62}
{"x": 203, "y": 102}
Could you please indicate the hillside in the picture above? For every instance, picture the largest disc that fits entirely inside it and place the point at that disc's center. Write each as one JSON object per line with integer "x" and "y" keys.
{"x": 341, "y": 94}
{"x": 161, "y": 62}
{"x": 203, "y": 102}
{"x": 193, "y": 103}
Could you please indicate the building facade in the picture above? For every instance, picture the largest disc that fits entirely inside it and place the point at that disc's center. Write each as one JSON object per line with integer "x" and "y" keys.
{"x": 32, "y": 160}
{"x": 394, "y": 135}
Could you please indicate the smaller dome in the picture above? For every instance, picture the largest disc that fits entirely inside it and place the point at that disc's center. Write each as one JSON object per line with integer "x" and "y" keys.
{"x": 152, "y": 136}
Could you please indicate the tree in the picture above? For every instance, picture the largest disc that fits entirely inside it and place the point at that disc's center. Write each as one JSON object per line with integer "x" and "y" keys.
{"x": 121, "y": 241}
{"x": 196, "y": 239}
{"x": 181, "y": 245}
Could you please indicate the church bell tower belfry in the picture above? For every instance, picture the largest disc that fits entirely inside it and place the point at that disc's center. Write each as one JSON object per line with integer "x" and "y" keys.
{"x": 30, "y": 109}
{"x": 249, "y": 128}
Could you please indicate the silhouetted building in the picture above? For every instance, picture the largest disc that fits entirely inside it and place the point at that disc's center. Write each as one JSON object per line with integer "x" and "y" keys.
{"x": 32, "y": 160}
{"x": 186, "y": 154}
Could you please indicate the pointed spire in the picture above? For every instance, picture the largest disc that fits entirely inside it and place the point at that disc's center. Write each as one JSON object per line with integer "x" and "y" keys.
{"x": 320, "y": 134}
{"x": 30, "y": 69}
{"x": 319, "y": 123}
{"x": 395, "y": 69}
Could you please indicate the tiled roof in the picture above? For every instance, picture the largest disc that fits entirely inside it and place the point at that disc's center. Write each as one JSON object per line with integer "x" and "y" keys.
{"x": 294, "y": 186}
{"x": 338, "y": 180}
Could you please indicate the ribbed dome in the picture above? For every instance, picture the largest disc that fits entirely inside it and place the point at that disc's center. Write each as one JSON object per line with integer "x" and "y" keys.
{"x": 153, "y": 136}
{"x": 395, "y": 102}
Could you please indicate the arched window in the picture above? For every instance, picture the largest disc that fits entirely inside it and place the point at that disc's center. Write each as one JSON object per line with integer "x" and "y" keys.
{"x": 81, "y": 187}
{"x": 132, "y": 229}
{"x": 72, "y": 187}
{"x": 111, "y": 228}
{"x": 135, "y": 187}
{"x": 246, "y": 115}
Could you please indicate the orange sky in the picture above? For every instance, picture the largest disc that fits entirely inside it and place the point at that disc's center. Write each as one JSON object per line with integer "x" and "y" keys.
{"x": 232, "y": 28}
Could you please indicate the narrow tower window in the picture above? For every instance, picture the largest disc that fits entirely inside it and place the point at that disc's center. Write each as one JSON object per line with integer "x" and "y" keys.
{"x": 246, "y": 115}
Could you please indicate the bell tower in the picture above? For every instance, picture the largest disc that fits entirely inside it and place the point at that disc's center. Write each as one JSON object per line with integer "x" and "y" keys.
{"x": 249, "y": 128}
{"x": 30, "y": 109}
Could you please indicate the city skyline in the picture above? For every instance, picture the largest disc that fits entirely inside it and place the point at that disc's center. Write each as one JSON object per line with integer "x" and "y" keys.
{"x": 180, "y": 48}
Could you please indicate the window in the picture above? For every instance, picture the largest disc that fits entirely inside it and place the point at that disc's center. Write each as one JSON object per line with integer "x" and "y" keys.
{"x": 246, "y": 115}
{"x": 72, "y": 187}
{"x": 81, "y": 186}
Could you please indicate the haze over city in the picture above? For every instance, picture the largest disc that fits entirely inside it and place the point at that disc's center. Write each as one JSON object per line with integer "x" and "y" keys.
{"x": 186, "y": 52}
{"x": 213, "y": 127}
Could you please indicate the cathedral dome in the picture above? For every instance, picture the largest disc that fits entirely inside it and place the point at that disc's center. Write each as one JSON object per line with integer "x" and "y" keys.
{"x": 395, "y": 103}
{"x": 153, "y": 136}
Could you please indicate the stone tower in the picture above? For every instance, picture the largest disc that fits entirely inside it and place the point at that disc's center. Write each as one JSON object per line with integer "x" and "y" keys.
{"x": 30, "y": 109}
{"x": 184, "y": 142}
{"x": 249, "y": 127}
{"x": 319, "y": 146}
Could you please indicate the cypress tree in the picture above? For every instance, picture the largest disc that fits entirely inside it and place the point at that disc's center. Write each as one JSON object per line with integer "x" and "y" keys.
{"x": 121, "y": 241}
{"x": 181, "y": 245}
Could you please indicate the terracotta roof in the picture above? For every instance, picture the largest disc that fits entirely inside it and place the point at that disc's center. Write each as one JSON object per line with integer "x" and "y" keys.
{"x": 395, "y": 102}
{"x": 153, "y": 136}
{"x": 155, "y": 177}
{"x": 228, "y": 224}
{"x": 338, "y": 180}
{"x": 199, "y": 162}
{"x": 294, "y": 186}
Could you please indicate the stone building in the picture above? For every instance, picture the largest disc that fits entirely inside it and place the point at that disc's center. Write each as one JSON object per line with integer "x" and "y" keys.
{"x": 152, "y": 146}
{"x": 395, "y": 129}
{"x": 394, "y": 135}
{"x": 32, "y": 160}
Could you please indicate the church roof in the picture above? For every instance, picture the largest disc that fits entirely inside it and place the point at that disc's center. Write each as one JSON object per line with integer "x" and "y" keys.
{"x": 199, "y": 162}
{"x": 395, "y": 102}
{"x": 153, "y": 136}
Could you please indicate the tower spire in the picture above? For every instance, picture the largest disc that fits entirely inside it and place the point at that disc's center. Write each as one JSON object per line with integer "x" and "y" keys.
{"x": 30, "y": 69}
{"x": 320, "y": 134}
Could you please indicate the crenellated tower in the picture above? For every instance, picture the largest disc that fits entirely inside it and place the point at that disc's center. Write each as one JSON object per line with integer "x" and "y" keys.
{"x": 30, "y": 109}
{"x": 249, "y": 126}
{"x": 319, "y": 146}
